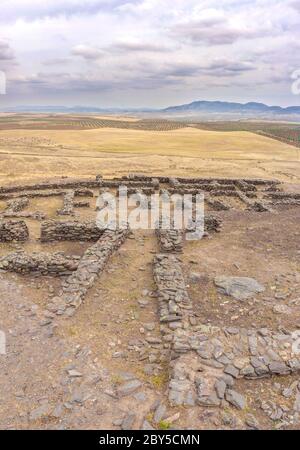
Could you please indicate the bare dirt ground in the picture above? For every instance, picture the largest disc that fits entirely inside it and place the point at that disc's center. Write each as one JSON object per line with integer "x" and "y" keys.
{"x": 67, "y": 373}
{"x": 101, "y": 341}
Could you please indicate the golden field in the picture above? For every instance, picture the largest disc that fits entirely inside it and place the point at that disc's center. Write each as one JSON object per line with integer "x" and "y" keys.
{"x": 40, "y": 154}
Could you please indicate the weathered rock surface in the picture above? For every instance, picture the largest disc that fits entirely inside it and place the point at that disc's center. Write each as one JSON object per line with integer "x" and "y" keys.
{"x": 240, "y": 288}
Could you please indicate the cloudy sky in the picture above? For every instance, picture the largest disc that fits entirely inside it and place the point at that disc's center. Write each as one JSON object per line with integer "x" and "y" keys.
{"x": 148, "y": 52}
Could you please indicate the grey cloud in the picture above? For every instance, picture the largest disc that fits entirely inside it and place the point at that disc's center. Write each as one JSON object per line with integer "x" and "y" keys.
{"x": 139, "y": 47}
{"x": 213, "y": 31}
{"x": 62, "y": 81}
{"x": 6, "y": 53}
{"x": 181, "y": 69}
{"x": 296, "y": 5}
{"x": 216, "y": 68}
{"x": 228, "y": 67}
{"x": 143, "y": 76}
{"x": 65, "y": 82}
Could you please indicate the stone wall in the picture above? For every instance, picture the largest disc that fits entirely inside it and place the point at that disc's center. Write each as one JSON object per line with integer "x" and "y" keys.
{"x": 193, "y": 189}
{"x": 130, "y": 180}
{"x": 170, "y": 241}
{"x": 214, "y": 191}
{"x": 285, "y": 202}
{"x": 68, "y": 206}
{"x": 258, "y": 206}
{"x": 173, "y": 301}
{"x": 15, "y": 209}
{"x": 81, "y": 204}
{"x": 13, "y": 230}
{"x": 206, "y": 361}
{"x": 52, "y": 231}
{"x": 282, "y": 195}
{"x": 81, "y": 192}
{"x": 216, "y": 205}
{"x": 92, "y": 263}
{"x": 233, "y": 181}
{"x": 17, "y": 205}
{"x": 56, "y": 264}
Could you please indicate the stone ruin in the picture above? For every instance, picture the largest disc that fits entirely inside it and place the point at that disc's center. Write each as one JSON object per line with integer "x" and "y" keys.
{"x": 13, "y": 230}
{"x": 205, "y": 361}
{"x": 52, "y": 231}
{"x": 75, "y": 287}
{"x": 56, "y": 264}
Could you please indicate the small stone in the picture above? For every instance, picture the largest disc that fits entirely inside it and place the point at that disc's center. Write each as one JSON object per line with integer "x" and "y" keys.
{"x": 220, "y": 387}
{"x": 117, "y": 422}
{"x": 74, "y": 373}
{"x": 159, "y": 413}
{"x": 211, "y": 400}
{"x": 251, "y": 422}
{"x": 140, "y": 397}
{"x": 147, "y": 426}
{"x": 128, "y": 422}
{"x": 196, "y": 277}
{"x": 128, "y": 388}
{"x": 281, "y": 309}
{"x": 143, "y": 303}
{"x": 236, "y": 399}
{"x": 57, "y": 412}
{"x": 173, "y": 418}
{"x": 279, "y": 368}
{"x": 231, "y": 370}
{"x": 39, "y": 412}
{"x": 149, "y": 326}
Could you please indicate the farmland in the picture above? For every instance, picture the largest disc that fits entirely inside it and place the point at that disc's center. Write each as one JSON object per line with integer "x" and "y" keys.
{"x": 284, "y": 132}
{"x": 189, "y": 150}
{"x": 31, "y": 143}
{"x": 73, "y": 122}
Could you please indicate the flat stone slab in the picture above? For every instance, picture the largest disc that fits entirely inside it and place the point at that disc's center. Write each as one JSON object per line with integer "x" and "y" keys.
{"x": 240, "y": 288}
{"x": 128, "y": 388}
{"x": 236, "y": 399}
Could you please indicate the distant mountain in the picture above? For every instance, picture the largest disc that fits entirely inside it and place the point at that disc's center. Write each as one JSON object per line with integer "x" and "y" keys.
{"x": 198, "y": 108}
{"x": 229, "y": 107}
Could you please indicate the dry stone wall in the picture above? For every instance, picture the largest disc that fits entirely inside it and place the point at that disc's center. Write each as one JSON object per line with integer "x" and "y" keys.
{"x": 174, "y": 303}
{"x": 52, "y": 231}
{"x": 68, "y": 206}
{"x": 206, "y": 361}
{"x": 13, "y": 230}
{"x": 56, "y": 264}
{"x": 93, "y": 262}
{"x": 216, "y": 205}
{"x": 170, "y": 240}
{"x": 16, "y": 205}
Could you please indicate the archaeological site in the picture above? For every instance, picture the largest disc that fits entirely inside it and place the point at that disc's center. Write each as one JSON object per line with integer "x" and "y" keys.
{"x": 144, "y": 329}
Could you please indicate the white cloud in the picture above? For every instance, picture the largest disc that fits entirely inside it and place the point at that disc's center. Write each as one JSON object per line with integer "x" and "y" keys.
{"x": 87, "y": 52}
{"x": 30, "y": 10}
{"x": 117, "y": 46}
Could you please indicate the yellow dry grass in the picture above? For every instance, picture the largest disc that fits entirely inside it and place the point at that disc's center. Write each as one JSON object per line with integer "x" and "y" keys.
{"x": 28, "y": 154}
